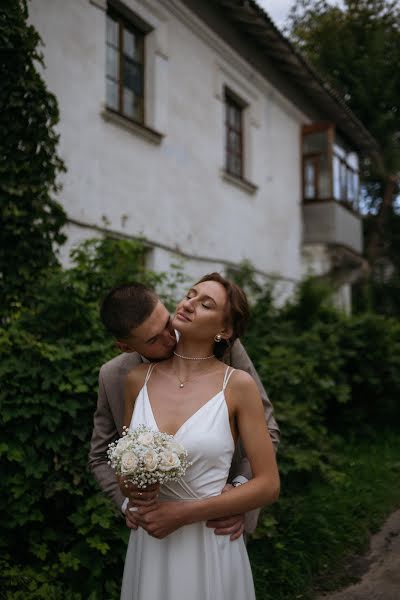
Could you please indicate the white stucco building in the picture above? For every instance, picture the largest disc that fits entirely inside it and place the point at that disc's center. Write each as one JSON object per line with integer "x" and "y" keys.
{"x": 195, "y": 125}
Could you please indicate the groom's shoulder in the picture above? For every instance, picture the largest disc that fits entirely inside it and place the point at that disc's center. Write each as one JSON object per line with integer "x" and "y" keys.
{"x": 237, "y": 356}
{"x": 120, "y": 364}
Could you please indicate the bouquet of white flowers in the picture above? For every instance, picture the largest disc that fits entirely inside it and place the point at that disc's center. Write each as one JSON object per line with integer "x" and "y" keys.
{"x": 144, "y": 456}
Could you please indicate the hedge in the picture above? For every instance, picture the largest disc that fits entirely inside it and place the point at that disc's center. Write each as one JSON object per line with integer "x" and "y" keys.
{"x": 327, "y": 374}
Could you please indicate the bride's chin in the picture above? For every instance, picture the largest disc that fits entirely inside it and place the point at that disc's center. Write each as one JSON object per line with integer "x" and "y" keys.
{"x": 177, "y": 324}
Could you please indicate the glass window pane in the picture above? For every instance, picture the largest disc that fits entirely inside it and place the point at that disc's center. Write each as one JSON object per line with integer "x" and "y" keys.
{"x": 112, "y": 63}
{"x": 350, "y": 186}
{"x": 343, "y": 186}
{"x": 356, "y": 186}
{"x": 324, "y": 192}
{"x": 336, "y": 178}
{"x": 309, "y": 179}
{"x": 129, "y": 103}
{"x": 130, "y": 44}
{"x": 112, "y": 94}
{"x": 232, "y": 141}
{"x": 133, "y": 78}
{"x": 132, "y": 105}
{"x": 233, "y": 132}
{"x": 112, "y": 31}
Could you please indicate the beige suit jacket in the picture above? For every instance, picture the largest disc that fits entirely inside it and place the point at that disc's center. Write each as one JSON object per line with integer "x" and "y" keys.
{"x": 109, "y": 415}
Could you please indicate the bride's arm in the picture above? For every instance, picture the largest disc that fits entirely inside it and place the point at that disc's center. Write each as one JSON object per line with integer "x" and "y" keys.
{"x": 262, "y": 489}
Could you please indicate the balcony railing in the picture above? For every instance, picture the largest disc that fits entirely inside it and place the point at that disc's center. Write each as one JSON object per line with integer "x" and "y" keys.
{"x": 328, "y": 222}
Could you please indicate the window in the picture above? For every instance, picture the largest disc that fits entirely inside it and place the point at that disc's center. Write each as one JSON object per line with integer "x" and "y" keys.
{"x": 316, "y": 172}
{"x": 233, "y": 136}
{"x": 345, "y": 176}
{"x": 330, "y": 172}
{"x": 125, "y": 67}
{"x": 310, "y": 177}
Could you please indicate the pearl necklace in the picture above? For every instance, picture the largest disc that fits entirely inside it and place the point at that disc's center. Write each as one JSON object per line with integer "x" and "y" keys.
{"x": 194, "y": 357}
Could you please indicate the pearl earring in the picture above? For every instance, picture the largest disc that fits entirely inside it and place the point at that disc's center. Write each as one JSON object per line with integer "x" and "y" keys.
{"x": 218, "y": 337}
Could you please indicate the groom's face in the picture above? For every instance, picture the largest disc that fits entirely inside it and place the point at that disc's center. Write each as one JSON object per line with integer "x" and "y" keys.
{"x": 154, "y": 338}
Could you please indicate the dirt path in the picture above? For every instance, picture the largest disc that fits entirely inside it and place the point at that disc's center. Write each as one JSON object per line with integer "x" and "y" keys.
{"x": 381, "y": 580}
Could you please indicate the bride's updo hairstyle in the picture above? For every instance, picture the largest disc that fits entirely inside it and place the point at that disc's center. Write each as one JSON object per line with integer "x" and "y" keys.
{"x": 237, "y": 311}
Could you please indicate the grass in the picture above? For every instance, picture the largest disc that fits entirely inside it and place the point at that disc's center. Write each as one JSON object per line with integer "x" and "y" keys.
{"x": 317, "y": 533}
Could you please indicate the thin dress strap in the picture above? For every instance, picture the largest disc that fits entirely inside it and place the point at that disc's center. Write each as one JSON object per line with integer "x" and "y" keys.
{"x": 228, "y": 373}
{"x": 149, "y": 371}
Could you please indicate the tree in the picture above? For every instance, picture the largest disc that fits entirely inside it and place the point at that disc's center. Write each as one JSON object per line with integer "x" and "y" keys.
{"x": 31, "y": 219}
{"x": 357, "y": 50}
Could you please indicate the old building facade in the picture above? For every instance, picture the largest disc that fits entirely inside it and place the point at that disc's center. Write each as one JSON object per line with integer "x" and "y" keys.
{"x": 196, "y": 126}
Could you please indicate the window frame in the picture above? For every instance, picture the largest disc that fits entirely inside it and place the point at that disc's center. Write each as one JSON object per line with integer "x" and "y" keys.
{"x": 331, "y": 156}
{"x": 132, "y": 25}
{"x": 232, "y": 99}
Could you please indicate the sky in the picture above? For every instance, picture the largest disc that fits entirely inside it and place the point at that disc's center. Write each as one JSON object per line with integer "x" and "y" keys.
{"x": 279, "y": 9}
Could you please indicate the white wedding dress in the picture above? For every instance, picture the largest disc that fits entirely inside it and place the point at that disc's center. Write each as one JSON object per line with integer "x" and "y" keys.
{"x": 191, "y": 563}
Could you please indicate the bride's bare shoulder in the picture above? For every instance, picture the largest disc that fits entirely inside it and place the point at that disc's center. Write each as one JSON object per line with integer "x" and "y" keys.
{"x": 136, "y": 376}
{"x": 242, "y": 383}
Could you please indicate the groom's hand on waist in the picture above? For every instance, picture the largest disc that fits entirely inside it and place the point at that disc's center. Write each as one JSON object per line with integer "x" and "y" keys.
{"x": 232, "y": 526}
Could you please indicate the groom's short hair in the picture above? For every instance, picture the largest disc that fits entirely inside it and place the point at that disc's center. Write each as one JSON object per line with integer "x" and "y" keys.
{"x": 125, "y": 307}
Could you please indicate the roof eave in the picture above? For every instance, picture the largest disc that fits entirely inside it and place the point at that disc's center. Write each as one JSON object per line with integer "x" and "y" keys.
{"x": 256, "y": 23}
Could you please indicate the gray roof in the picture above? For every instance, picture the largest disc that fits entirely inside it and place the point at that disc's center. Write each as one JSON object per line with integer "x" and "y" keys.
{"x": 255, "y": 23}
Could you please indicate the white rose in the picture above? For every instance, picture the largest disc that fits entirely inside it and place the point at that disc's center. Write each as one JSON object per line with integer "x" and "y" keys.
{"x": 176, "y": 447}
{"x": 145, "y": 438}
{"x": 122, "y": 445}
{"x": 129, "y": 462}
{"x": 150, "y": 460}
{"x": 169, "y": 460}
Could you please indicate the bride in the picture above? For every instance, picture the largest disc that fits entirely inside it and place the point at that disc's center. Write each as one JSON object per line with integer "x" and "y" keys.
{"x": 207, "y": 407}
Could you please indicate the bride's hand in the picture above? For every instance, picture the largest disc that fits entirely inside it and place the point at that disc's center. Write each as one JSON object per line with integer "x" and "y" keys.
{"x": 162, "y": 519}
{"x": 139, "y": 496}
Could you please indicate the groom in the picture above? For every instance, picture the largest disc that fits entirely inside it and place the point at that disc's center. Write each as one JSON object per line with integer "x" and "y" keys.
{"x": 134, "y": 315}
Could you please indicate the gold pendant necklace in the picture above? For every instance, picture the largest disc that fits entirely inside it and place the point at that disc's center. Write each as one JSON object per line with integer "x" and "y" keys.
{"x": 181, "y": 383}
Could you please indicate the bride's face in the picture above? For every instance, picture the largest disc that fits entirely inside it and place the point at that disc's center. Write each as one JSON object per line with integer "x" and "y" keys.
{"x": 202, "y": 312}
